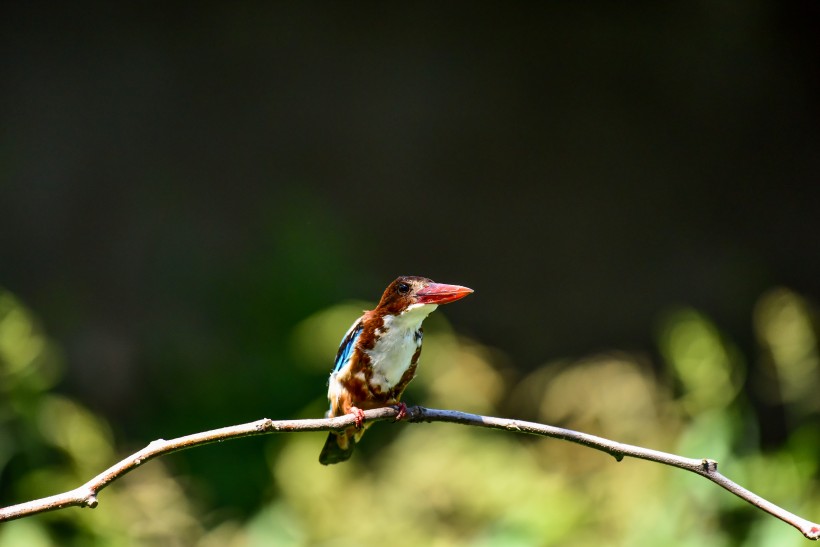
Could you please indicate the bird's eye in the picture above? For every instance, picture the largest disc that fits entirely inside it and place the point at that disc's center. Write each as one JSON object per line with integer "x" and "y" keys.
{"x": 403, "y": 288}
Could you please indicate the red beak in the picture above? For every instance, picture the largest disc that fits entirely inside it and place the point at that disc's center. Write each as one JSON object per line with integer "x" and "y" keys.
{"x": 439, "y": 293}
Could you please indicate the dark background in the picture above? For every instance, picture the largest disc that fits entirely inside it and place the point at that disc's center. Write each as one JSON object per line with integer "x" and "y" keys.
{"x": 181, "y": 184}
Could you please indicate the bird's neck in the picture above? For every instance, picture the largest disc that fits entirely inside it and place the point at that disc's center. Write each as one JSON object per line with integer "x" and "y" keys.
{"x": 409, "y": 319}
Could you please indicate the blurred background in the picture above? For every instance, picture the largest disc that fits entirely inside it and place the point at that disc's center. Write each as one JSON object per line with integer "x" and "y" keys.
{"x": 197, "y": 200}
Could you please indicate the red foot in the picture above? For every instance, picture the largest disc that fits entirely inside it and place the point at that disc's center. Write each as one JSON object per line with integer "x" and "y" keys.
{"x": 402, "y": 408}
{"x": 359, "y": 414}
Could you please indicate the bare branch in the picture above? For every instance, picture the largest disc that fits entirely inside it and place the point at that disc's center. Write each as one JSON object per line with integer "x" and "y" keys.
{"x": 86, "y": 495}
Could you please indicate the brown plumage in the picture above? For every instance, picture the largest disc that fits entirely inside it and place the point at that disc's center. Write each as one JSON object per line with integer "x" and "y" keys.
{"x": 379, "y": 355}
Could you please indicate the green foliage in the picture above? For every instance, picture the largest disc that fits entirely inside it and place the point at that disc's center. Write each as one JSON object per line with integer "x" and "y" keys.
{"x": 51, "y": 443}
{"x": 442, "y": 484}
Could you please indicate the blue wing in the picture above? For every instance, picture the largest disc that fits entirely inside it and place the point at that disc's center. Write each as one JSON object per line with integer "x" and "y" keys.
{"x": 348, "y": 344}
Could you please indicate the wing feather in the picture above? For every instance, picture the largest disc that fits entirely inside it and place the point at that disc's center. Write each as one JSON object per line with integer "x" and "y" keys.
{"x": 347, "y": 345}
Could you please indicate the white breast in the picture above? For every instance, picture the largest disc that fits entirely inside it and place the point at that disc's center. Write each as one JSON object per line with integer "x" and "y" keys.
{"x": 396, "y": 344}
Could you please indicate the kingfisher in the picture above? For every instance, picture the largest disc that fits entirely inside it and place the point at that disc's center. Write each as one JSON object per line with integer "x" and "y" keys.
{"x": 378, "y": 357}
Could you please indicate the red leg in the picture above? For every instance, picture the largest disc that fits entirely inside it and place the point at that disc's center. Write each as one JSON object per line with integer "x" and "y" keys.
{"x": 402, "y": 408}
{"x": 359, "y": 414}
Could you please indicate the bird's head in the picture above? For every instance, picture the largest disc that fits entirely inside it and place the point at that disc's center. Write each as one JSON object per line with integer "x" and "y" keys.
{"x": 408, "y": 290}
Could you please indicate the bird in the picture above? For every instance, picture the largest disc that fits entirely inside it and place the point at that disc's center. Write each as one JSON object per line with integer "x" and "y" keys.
{"x": 378, "y": 357}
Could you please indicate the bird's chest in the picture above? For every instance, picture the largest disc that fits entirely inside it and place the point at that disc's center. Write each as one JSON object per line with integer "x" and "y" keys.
{"x": 392, "y": 355}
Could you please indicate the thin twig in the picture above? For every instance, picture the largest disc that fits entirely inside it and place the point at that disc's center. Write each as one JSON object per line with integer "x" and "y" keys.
{"x": 86, "y": 495}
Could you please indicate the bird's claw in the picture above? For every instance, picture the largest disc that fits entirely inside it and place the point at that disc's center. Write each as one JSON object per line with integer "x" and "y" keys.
{"x": 402, "y": 408}
{"x": 358, "y": 414}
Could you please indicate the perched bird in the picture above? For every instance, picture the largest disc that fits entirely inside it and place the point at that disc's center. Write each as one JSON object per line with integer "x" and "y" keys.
{"x": 378, "y": 357}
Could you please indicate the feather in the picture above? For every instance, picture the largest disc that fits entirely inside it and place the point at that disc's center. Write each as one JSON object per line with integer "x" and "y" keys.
{"x": 347, "y": 345}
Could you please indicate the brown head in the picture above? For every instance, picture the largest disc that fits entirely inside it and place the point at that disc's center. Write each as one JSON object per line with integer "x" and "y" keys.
{"x": 408, "y": 290}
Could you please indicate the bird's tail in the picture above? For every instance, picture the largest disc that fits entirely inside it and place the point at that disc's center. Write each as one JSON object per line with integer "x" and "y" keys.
{"x": 333, "y": 451}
